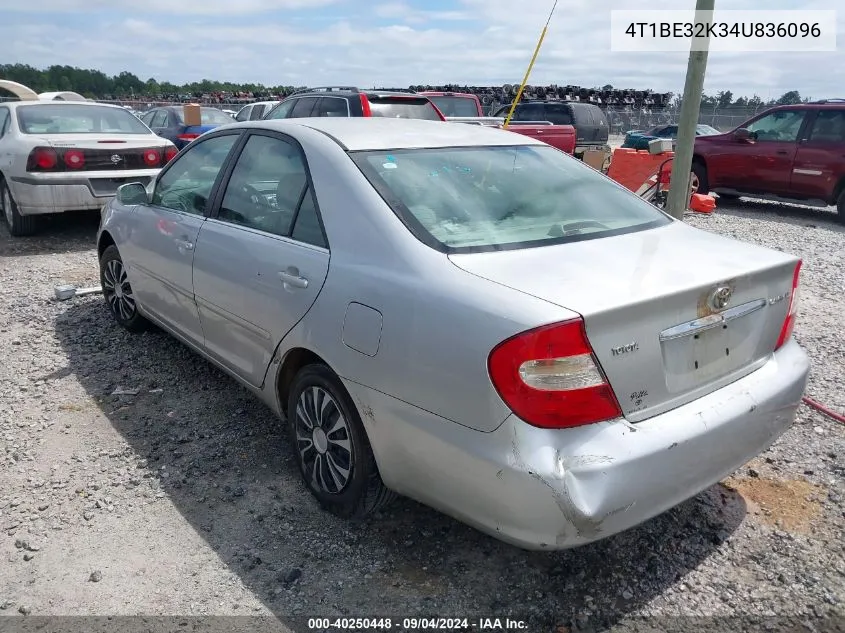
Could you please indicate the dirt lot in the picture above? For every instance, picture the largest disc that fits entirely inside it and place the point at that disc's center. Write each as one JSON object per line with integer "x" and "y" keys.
{"x": 182, "y": 498}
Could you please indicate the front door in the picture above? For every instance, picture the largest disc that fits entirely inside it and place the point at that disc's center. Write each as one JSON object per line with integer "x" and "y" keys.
{"x": 764, "y": 163}
{"x": 160, "y": 251}
{"x": 261, "y": 258}
{"x": 820, "y": 160}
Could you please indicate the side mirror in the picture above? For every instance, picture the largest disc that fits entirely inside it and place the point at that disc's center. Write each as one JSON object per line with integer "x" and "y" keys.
{"x": 742, "y": 135}
{"x": 132, "y": 193}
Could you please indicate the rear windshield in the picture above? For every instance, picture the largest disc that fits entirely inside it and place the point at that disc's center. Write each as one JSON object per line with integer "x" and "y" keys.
{"x": 456, "y": 106}
{"x": 209, "y": 116}
{"x": 499, "y": 198}
{"x": 68, "y": 118}
{"x": 403, "y": 108}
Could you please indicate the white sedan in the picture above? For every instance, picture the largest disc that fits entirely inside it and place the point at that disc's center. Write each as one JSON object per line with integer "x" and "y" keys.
{"x": 60, "y": 156}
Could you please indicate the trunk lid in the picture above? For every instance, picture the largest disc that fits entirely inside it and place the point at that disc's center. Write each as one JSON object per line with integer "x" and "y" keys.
{"x": 646, "y": 299}
{"x": 111, "y": 152}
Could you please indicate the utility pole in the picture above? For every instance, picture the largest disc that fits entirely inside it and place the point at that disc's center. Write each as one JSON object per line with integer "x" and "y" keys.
{"x": 679, "y": 184}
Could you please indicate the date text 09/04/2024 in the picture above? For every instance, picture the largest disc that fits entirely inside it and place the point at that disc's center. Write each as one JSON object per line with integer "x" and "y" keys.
{"x": 417, "y": 624}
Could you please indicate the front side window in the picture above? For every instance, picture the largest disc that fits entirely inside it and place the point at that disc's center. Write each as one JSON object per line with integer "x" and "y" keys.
{"x": 497, "y": 198}
{"x": 69, "y": 118}
{"x": 266, "y": 186}
{"x": 781, "y": 125}
{"x": 187, "y": 183}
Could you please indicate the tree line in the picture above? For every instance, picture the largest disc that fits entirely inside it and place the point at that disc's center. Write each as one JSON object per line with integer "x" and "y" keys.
{"x": 95, "y": 84}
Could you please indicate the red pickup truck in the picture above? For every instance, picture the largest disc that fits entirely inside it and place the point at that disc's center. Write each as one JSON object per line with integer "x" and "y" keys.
{"x": 466, "y": 108}
{"x": 790, "y": 153}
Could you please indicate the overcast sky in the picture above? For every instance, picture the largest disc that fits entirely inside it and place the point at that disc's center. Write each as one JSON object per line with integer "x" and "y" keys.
{"x": 390, "y": 43}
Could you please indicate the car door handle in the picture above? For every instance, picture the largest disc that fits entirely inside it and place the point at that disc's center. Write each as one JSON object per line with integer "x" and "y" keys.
{"x": 783, "y": 152}
{"x": 293, "y": 279}
{"x": 188, "y": 246}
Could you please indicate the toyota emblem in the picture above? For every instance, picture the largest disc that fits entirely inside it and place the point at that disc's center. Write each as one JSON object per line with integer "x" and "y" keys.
{"x": 720, "y": 297}
{"x": 115, "y": 158}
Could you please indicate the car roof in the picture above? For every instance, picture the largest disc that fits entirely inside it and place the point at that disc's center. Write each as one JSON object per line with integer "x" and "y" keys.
{"x": 60, "y": 102}
{"x": 376, "y": 133}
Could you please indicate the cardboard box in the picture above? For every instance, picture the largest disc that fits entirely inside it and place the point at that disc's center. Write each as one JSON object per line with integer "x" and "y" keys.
{"x": 192, "y": 114}
{"x": 595, "y": 158}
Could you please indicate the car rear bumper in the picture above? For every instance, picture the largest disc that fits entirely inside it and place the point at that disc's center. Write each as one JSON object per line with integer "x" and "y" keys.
{"x": 37, "y": 194}
{"x": 556, "y": 489}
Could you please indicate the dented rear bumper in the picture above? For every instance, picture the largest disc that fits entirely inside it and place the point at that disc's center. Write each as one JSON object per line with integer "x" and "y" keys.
{"x": 555, "y": 489}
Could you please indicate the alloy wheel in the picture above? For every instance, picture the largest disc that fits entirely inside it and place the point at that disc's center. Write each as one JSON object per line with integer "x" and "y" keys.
{"x": 324, "y": 440}
{"x": 117, "y": 291}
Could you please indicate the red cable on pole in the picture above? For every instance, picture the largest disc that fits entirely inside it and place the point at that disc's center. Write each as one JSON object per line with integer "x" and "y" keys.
{"x": 820, "y": 407}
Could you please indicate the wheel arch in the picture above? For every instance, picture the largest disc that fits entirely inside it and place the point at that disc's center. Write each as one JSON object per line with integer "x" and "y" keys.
{"x": 295, "y": 359}
{"x": 104, "y": 242}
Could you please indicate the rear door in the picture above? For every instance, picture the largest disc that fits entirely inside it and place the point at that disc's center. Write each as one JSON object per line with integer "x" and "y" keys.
{"x": 165, "y": 232}
{"x": 820, "y": 159}
{"x": 262, "y": 258}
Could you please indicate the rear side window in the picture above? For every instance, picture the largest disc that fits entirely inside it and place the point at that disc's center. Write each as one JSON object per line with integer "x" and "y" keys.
{"x": 403, "y": 108}
{"x": 451, "y": 105}
{"x": 558, "y": 113}
{"x": 332, "y": 107}
{"x": 497, "y": 198}
{"x": 304, "y": 107}
{"x": 243, "y": 115}
{"x": 209, "y": 116}
{"x": 829, "y": 126}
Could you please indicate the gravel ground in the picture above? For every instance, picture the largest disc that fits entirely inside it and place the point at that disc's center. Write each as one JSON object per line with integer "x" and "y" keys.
{"x": 182, "y": 498}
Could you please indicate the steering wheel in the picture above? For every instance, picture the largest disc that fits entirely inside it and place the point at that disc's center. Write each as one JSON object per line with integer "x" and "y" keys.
{"x": 254, "y": 195}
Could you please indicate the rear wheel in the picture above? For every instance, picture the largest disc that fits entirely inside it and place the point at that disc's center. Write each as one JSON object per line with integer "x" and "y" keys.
{"x": 698, "y": 177}
{"x": 117, "y": 291}
{"x": 19, "y": 225}
{"x": 334, "y": 454}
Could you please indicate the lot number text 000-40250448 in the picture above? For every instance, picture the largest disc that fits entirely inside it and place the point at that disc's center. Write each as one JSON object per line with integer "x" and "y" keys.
{"x": 734, "y": 31}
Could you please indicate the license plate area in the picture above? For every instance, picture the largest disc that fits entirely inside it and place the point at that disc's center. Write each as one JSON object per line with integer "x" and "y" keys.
{"x": 707, "y": 349}
{"x": 108, "y": 186}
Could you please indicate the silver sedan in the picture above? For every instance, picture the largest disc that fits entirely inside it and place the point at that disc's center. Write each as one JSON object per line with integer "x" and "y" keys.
{"x": 465, "y": 316}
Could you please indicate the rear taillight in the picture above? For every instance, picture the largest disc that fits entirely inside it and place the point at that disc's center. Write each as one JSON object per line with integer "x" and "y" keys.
{"x": 74, "y": 159}
{"x": 188, "y": 137}
{"x": 365, "y": 106}
{"x": 152, "y": 158}
{"x": 42, "y": 159}
{"x": 549, "y": 377}
{"x": 792, "y": 313}
{"x": 170, "y": 154}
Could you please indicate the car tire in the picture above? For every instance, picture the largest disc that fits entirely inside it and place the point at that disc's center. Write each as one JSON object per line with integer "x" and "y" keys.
{"x": 840, "y": 207}
{"x": 331, "y": 446}
{"x": 18, "y": 225}
{"x": 117, "y": 291}
{"x": 699, "y": 170}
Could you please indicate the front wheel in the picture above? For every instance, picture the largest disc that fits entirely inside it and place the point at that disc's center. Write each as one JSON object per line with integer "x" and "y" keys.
{"x": 698, "y": 179}
{"x": 117, "y": 291}
{"x": 332, "y": 449}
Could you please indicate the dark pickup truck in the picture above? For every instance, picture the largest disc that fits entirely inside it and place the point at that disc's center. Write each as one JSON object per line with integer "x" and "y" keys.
{"x": 590, "y": 123}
